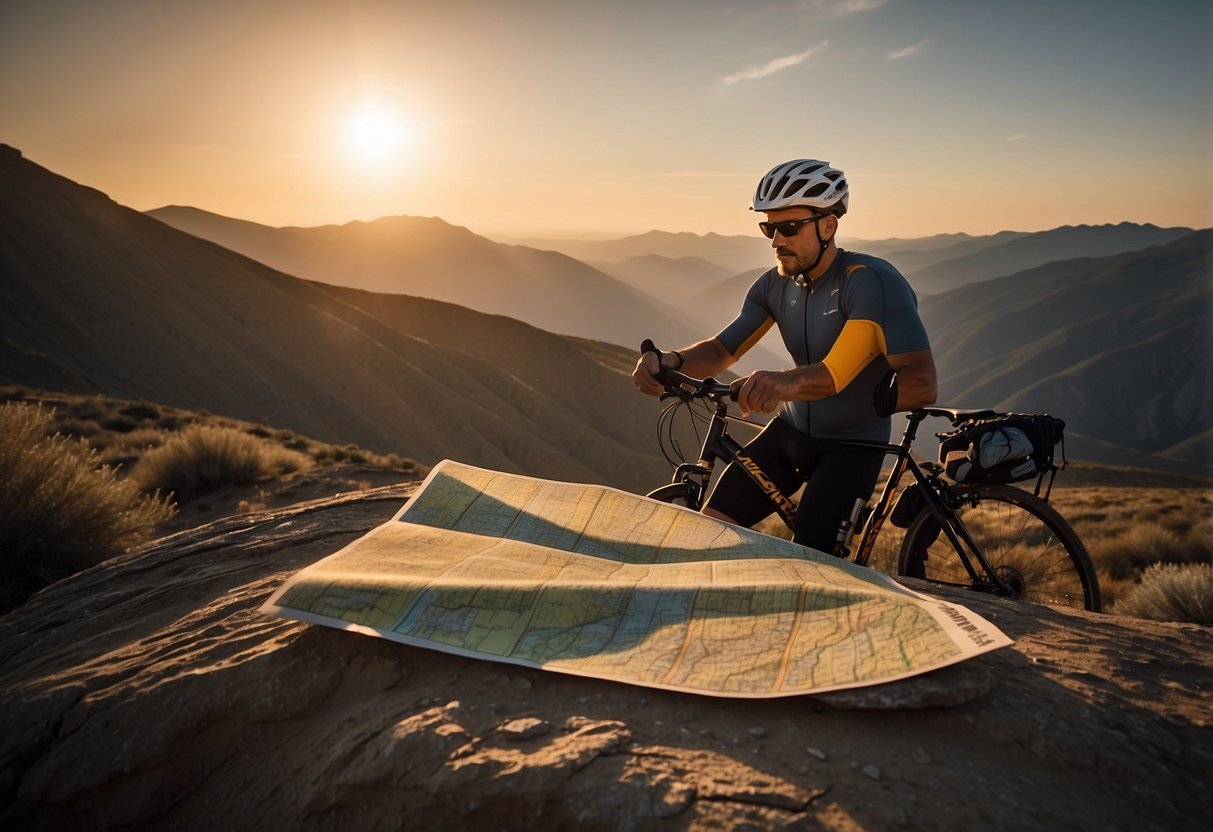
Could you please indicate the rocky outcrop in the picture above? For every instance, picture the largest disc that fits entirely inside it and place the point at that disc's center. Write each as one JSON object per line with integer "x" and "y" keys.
{"x": 150, "y": 691}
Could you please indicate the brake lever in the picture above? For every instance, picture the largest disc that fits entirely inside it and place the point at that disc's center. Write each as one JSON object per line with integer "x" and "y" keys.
{"x": 677, "y": 392}
{"x": 708, "y": 383}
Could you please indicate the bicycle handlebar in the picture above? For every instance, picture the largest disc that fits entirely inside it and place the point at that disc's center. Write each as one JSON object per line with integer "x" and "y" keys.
{"x": 676, "y": 383}
{"x": 885, "y": 396}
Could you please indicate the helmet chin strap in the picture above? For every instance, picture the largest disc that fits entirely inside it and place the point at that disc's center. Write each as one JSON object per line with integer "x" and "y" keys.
{"x": 802, "y": 279}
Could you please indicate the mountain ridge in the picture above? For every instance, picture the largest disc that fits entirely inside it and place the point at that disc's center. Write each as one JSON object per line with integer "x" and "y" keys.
{"x": 428, "y": 257}
{"x": 1071, "y": 337}
{"x": 113, "y": 301}
{"x": 1028, "y": 251}
{"x": 180, "y": 314}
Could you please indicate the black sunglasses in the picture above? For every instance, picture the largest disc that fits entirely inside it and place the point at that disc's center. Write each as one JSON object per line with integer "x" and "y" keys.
{"x": 788, "y": 228}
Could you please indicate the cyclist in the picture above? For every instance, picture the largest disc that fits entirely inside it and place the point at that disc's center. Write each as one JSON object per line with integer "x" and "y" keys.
{"x": 848, "y": 320}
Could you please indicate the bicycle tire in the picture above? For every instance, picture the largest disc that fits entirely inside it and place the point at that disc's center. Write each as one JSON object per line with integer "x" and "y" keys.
{"x": 676, "y": 493}
{"x": 1025, "y": 540}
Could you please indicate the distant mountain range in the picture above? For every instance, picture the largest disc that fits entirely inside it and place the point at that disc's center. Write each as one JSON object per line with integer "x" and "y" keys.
{"x": 734, "y": 253}
{"x": 621, "y": 303}
{"x": 963, "y": 264}
{"x": 1120, "y": 347}
{"x": 426, "y": 257}
{"x": 95, "y": 297}
{"x": 673, "y": 281}
{"x": 689, "y": 271}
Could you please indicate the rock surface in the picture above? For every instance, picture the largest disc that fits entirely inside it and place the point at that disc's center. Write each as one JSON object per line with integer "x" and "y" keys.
{"x": 150, "y": 691}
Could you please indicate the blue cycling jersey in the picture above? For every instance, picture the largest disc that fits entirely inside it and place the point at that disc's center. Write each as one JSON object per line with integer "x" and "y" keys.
{"x": 856, "y": 287}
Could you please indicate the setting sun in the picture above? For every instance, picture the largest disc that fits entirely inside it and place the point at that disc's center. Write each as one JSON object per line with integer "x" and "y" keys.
{"x": 375, "y": 135}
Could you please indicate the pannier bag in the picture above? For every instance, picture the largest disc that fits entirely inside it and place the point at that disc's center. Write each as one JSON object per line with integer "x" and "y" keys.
{"x": 1007, "y": 448}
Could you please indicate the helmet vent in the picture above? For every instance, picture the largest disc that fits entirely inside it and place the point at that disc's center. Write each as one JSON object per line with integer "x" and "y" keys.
{"x": 778, "y": 187}
{"x": 808, "y": 182}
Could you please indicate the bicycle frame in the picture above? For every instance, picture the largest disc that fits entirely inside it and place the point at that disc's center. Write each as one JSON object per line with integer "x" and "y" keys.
{"x": 718, "y": 444}
{"x": 931, "y": 489}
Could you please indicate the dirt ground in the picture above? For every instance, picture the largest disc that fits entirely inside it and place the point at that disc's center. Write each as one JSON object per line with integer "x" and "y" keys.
{"x": 151, "y": 692}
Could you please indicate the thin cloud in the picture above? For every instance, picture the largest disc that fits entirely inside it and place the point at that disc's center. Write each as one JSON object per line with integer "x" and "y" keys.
{"x": 752, "y": 73}
{"x": 914, "y": 49}
{"x": 1019, "y": 137}
{"x": 845, "y": 8}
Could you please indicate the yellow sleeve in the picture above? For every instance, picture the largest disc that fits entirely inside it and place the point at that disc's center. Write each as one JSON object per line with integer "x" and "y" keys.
{"x": 754, "y": 338}
{"x": 859, "y": 342}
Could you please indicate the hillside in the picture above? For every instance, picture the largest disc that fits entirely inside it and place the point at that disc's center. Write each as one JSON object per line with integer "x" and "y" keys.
{"x": 1000, "y": 257}
{"x": 122, "y": 433}
{"x": 150, "y": 692}
{"x": 1118, "y": 346}
{"x": 96, "y": 297}
{"x": 934, "y": 264}
{"x": 426, "y": 257}
{"x": 671, "y": 280}
{"x": 733, "y": 253}
{"x": 911, "y": 255}
{"x": 702, "y": 291}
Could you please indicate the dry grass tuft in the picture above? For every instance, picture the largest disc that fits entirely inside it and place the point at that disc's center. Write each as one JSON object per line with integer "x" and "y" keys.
{"x": 1128, "y": 554}
{"x": 202, "y": 458}
{"x": 1172, "y": 592}
{"x": 60, "y": 511}
{"x": 1126, "y": 529}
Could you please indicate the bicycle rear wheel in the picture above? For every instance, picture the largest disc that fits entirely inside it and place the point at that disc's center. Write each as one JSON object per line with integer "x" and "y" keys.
{"x": 677, "y": 493}
{"x": 1029, "y": 545}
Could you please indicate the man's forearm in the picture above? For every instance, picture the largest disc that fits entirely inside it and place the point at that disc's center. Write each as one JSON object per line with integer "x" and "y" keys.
{"x": 765, "y": 389}
{"x": 807, "y": 384}
{"x": 917, "y": 381}
{"x": 704, "y": 358}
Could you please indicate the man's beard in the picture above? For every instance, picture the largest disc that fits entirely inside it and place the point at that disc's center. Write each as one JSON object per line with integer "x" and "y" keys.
{"x": 798, "y": 267}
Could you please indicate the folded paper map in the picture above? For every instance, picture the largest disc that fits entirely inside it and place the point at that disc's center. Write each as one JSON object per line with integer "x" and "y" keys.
{"x": 594, "y": 581}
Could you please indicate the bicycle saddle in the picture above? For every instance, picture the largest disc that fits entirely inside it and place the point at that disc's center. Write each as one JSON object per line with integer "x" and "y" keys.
{"x": 956, "y": 415}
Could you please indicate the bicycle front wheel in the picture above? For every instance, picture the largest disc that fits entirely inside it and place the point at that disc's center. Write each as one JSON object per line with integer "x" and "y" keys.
{"x": 1027, "y": 543}
{"x": 677, "y": 493}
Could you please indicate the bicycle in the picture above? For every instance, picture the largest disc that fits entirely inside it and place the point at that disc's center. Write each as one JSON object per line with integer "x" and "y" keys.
{"x": 996, "y": 538}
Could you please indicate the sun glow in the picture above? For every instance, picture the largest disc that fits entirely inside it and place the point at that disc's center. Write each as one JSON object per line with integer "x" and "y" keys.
{"x": 375, "y": 135}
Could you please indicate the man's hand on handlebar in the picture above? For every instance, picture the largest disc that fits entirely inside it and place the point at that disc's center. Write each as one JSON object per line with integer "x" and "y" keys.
{"x": 648, "y": 367}
{"x": 644, "y": 376}
{"x": 762, "y": 391}
{"x": 661, "y": 373}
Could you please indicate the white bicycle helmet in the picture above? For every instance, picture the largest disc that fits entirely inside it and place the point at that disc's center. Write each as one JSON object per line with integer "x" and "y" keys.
{"x": 805, "y": 182}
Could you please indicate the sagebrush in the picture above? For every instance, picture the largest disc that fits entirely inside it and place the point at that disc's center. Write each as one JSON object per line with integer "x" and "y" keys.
{"x": 60, "y": 510}
{"x": 202, "y": 458}
{"x": 1172, "y": 592}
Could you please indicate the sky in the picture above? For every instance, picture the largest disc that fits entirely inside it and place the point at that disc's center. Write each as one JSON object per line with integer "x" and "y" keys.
{"x": 530, "y": 118}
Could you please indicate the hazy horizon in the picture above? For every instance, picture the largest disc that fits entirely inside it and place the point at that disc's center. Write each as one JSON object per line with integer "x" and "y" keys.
{"x": 580, "y": 120}
{"x": 598, "y": 236}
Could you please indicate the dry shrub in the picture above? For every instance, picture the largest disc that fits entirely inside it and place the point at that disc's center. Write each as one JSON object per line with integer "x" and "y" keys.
{"x": 136, "y": 443}
{"x": 59, "y": 511}
{"x": 141, "y": 411}
{"x": 1112, "y": 590}
{"x": 80, "y": 428}
{"x": 1200, "y": 539}
{"x": 1172, "y": 592}
{"x": 202, "y": 459}
{"x": 1142, "y": 544}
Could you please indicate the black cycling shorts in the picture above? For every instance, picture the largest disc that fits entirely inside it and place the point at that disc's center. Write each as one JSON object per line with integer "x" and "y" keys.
{"x": 836, "y": 475}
